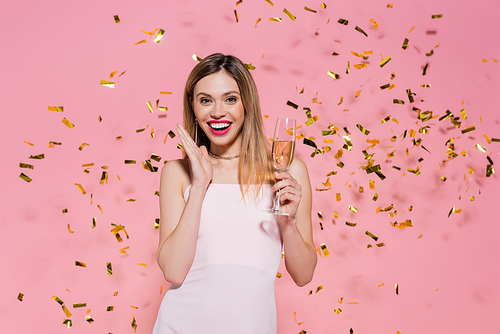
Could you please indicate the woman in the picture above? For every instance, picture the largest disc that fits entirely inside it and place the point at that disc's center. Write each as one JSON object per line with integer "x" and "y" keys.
{"x": 217, "y": 248}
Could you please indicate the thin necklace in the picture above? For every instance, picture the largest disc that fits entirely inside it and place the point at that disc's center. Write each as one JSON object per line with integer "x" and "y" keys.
{"x": 223, "y": 158}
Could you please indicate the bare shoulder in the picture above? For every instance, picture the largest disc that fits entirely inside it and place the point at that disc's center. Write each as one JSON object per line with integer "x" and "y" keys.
{"x": 175, "y": 173}
{"x": 298, "y": 168}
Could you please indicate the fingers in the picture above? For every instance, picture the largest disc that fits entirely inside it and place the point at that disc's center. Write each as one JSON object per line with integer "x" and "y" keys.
{"x": 188, "y": 144}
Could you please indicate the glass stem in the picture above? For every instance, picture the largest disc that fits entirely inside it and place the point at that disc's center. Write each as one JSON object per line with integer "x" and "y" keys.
{"x": 277, "y": 204}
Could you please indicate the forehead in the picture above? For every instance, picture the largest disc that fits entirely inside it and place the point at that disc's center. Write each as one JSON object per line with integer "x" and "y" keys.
{"x": 216, "y": 84}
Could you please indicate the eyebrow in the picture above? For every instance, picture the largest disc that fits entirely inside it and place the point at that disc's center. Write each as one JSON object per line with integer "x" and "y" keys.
{"x": 225, "y": 94}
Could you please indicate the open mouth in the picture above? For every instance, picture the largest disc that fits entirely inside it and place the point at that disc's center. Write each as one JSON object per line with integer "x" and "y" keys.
{"x": 219, "y": 128}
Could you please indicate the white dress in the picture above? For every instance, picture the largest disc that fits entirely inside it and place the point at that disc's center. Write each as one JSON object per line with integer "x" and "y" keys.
{"x": 230, "y": 286}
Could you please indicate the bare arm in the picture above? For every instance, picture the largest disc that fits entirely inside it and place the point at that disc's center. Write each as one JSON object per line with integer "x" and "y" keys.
{"x": 296, "y": 199}
{"x": 180, "y": 220}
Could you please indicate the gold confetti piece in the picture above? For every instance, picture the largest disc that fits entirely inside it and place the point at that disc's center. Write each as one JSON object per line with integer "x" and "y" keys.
{"x": 68, "y": 322}
{"x": 58, "y": 300}
{"x": 110, "y": 269}
{"x": 337, "y": 311}
{"x": 106, "y": 83}
{"x": 55, "y": 108}
{"x": 323, "y": 5}
{"x": 275, "y": 19}
{"x": 397, "y": 101}
{"x": 81, "y": 188}
{"x": 469, "y": 129}
{"x": 333, "y": 75}
{"x": 77, "y": 305}
{"x": 295, "y": 318}
{"x": 353, "y": 209}
{"x": 290, "y": 15}
{"x": 112, "y": 74}
{"x": 489, "y": 170}
{"x": 69, "y": 229}
{"x": 397, "y": 288}
{"x": 385, "y": 61}
{"x": 89, "y": 319}
{"x": 358, "y": 66}
{"x": 150, "y": 107}
{"x": 389, "y": 5}
{"x": 325, "y": 250}
{"x": 371, "y": 235}
{"x": 20, "y": 296}
{"x": 437, "y": 16}
{"x": 343, "y": 21}
{"x": 66, "y": 311}
{"x": 141, "y": 130}
{"x": 25, "y": 177}
{"x": 133, "y": 324}
{"x": 480, "y": 148}
{"x": 239, "y": 2}
{"x": 310, "y": 10}
{"x": 361, "y": 31}
{"x": 159, "y": 36}
{"x": 23, "y": 165}
{"x": 80, "y": 264}
{"x": 68, "y": 123}
{"x": 110, "y": 308}
{"x": 351, "y": 224}
{"x": 405, "y": 44}
{"x": 117, "y": 19}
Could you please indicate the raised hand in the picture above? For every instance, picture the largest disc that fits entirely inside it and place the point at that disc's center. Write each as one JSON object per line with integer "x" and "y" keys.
{"x": 199, "y": 162}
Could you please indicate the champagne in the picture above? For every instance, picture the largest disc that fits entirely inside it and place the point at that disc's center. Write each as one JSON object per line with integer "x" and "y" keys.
{"x": 283, "y": 154}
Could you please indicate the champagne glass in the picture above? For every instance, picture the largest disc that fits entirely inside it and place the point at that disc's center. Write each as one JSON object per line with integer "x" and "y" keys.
{"x": 282, "y": 153}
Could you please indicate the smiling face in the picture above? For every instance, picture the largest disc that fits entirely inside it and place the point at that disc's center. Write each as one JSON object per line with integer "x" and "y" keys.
{"x": 220, "y": 113}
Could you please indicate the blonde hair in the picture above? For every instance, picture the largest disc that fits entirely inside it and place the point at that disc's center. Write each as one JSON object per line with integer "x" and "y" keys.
{"x": 255, "y": 165}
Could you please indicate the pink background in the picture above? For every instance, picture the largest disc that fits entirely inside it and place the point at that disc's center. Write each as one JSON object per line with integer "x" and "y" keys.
{"x": 54, "y": 53}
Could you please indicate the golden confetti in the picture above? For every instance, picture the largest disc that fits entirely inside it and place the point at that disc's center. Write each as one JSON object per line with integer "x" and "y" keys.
{"x": 159, "y": 36}
{"x": 68, "y": 322}
{"x": 343, "y": 21}
{"x": 480, "y": 148}
{"x": 134, "y": 324}
{"x": 106, "y": 83}
{"x": 384, "y": 61}
{"x": 361, "y": 31}
{"x": 239, "y": 2}
{"x": 110, "y": 308}
{"x": 69, "y": 229}
{"x": 295, "y": 318}
{"x": 353, "y": 209}
{"x": 323, "y": 5}
{"x": 269, "y": 2}
{"x": 150, "y": 107}
{"x": 310, "y": 10}
{"x": 20, "y": 296}
{"x": 437, "y": 16}
{"x": 333, "y": 75}
{"x": 57, "y": 109}
{"x": 397, "y": 288}
{"x": 66, "y": 311}
{"x": 290, "y": 15}
{"x": 81, "y": 188}
{"x": 351, "y": 224}
{"x": 89, "y": 319}
{"x": 82, "y": 146}
{"x": 110, "y": 269}
{"x": 80, "y": 264}
{"x": 117, "y": 19}
{"x": 373, "y": 236}
{"x": 325, "y": 250}
{"x": 389, "y": 5}
{"x": 337, "y": 311}
{"x": 469, "y": 129}
{"x": 275, "y": 19}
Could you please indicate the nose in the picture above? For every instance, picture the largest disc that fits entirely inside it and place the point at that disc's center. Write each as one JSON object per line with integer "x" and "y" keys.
{"x": 218, "y": 111}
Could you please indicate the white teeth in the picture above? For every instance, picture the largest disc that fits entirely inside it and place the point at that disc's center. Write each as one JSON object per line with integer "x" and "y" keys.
{"x": 219, "y": 126}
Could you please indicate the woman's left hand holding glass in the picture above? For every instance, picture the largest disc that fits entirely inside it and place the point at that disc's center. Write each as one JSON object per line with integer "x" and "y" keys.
{"x": 290, "y": 192}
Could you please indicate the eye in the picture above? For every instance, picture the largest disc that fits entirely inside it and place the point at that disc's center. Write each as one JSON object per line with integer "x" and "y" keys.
{"x": 231, "y": 99}
{"x": 204, "y": 100}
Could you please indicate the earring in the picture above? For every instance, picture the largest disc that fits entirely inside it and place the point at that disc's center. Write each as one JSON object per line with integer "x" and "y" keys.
{"x": 196, "y": 131}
